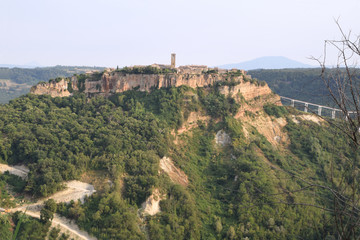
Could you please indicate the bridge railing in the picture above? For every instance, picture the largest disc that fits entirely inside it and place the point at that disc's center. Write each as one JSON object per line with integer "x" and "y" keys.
{"x": 316, "y": 108}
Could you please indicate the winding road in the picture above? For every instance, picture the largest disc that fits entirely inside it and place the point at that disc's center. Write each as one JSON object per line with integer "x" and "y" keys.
{"x": 74, "y": 190}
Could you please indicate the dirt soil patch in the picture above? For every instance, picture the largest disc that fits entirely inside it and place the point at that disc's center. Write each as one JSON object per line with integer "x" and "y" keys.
{"x": 269, "y": 128}
{"x": 152, "y": 204}
{"x": 18, "y": 170}
{"x": 308, "y": 117}
{"x": 175, "y": 174}
{"x": 192, "y": 122}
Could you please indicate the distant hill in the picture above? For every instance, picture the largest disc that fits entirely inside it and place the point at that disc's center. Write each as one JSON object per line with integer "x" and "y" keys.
{"x": 15, "y": 82}
{"x": 14, "y": 66}
{"x": 28, "y": 65}
{"x": 303, "y": 84}
{"x": 267, "y": 63}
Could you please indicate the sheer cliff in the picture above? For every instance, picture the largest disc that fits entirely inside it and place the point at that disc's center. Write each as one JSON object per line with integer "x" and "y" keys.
{"x": 116, "y": 81}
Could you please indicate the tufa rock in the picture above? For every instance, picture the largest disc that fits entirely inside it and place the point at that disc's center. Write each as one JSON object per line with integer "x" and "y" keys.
{"x": 222, "y": 138}
{"x": 234, "y": 83}
{"x": 53, "y": 88}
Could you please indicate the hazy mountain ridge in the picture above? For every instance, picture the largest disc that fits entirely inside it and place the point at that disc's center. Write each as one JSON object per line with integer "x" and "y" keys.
{"x": 271, "y": 62}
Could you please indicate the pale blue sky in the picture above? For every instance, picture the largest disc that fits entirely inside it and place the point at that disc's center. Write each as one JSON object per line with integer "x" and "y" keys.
{"x": 129, "y": 32}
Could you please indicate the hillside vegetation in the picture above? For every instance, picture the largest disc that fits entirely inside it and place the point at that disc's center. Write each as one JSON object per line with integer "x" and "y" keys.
{"x": 242, "y": 189}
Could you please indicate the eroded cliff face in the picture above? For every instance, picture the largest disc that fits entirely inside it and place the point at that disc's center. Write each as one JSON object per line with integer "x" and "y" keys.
{"x": 115, "y": 82}
{"x": 247, "y": 89}
{"x": 111, "y": 82}
{"x": 53, "y": 88}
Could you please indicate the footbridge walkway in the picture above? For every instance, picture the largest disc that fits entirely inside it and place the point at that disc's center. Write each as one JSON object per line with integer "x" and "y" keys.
{"x": 316, "y": 108}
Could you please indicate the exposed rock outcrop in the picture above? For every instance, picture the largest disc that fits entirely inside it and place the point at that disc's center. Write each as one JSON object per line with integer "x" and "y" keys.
{"x": 308, "y": 117}
{"x": 247, "y": 89}
{"x": 222, "y": 138}
{"x": 152, "y": 204}
{"x": 18, "y": 170}
{"x": 175, "y": 174}
{"x": 271, "y": 129}
{"x": 235, "y": 83}
{"x": 192, "y": 122}
{"x": 113, "y": 82}
{"x": 53, "y": 88}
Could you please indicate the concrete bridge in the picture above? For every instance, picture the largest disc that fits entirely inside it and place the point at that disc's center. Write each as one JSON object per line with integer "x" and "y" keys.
{"x": 318, "y": 108}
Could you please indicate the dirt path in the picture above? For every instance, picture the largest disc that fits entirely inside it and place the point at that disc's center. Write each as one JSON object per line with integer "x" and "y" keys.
{"x": 18, "y": 170}
{"x": 74, "y": 190}
{"x": 64, "y": 224}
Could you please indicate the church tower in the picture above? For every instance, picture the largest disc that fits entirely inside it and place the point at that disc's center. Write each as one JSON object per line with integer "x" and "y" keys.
{"x": 173, "y": 56}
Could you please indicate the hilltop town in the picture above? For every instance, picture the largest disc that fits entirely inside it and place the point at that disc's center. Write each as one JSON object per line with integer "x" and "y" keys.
{"x": 155, "y": 76}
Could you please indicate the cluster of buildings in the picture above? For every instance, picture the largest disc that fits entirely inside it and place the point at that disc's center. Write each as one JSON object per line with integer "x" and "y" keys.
{"x": 193, "y": 69}
{"x": 189, "y": 69}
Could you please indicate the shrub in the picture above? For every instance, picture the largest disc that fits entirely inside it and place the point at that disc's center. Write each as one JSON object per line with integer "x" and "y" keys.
{"x": 276, "y": 111}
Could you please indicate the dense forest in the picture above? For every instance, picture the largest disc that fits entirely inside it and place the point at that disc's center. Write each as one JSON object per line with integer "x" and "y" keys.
{"x": 302, "y": 84}
{"x": 15, "y": 82}
{"x": 243, "y": 190}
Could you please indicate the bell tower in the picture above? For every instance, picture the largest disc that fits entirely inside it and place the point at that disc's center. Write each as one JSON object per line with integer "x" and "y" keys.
{"x": 173, "y": 57}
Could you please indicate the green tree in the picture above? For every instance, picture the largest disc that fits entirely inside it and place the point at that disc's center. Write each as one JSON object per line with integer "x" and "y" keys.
{"x": 218, "y": 226}
{"x": 48, "y": 211}
{"x": 54, "y": 233}
{"x": 5, "y": 227}
{"x": 231, "y": 234}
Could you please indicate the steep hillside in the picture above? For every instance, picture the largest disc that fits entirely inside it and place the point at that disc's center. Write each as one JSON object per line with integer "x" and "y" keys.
{"x": 180, "y": 162}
